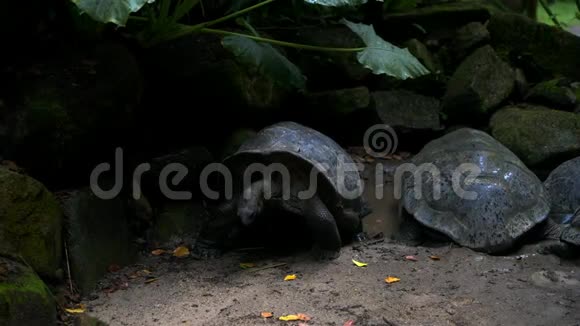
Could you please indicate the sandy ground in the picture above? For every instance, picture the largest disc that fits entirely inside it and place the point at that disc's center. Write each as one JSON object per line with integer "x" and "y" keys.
{"x": 461, "y": 288}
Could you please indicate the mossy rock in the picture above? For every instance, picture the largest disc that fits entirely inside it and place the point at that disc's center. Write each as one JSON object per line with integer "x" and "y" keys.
{"x": 30, "y": 222}
{"x": 437, "y": 17}
{"x": 478, "y": 86}
{"x": 538, "y": 136}
{"x": 24, "y": 298}
{"x": 555, "y": 93}
{"x": 546, "y": 50}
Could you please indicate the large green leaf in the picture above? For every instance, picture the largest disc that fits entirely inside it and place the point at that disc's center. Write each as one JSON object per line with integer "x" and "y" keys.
{"x": 268, "y": 61}
{"x": 383, "y": 57}
{"x": 110, "y": 11}
{"x": 336, "y": 3}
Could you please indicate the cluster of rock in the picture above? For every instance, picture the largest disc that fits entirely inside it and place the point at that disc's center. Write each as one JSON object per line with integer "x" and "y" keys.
{"x": 64, "y": 114}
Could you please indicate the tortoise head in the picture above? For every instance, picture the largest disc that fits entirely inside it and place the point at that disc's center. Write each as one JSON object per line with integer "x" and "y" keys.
{"x": 251, "y": 203}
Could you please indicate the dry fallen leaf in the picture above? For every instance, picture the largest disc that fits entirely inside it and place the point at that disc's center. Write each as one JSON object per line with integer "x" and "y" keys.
{"x": 289, "y": 318}
{"x": 411, "y": 258}
{"x": 349, "y": 323}
{"x": 266, "y": 314}
{"x": 151, "y": 280}
{"x": 158, "y": 252}
{"x": 247, "y": 265}
{"x": 291, "y": 277}
{"x": 434, "y": 257}
{"x": 392, "y": 279}
{"x": 359, "y": 264}
{"x": 78, "y": 310}
{"x": 181, "y": 252}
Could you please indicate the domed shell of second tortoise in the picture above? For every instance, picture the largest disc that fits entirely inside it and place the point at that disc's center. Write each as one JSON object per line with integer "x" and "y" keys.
{"x": 504, "y": 201}
{"x": 563, "y": 188}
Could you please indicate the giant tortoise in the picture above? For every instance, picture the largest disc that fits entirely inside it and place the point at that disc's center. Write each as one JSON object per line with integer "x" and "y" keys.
{"x": 296, "y": 169}
{"x": 470, "y": 188}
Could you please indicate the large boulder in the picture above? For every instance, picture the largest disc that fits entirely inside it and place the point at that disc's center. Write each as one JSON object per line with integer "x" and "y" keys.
{"x": 30, "y": 222}
{"x": 542, "y": 50}
{"x": 556, "y": 93}
{"x": 539, "y": 136}
{"x": 478, "y": 86}
{"x": 99, "y": 236}
{"x": 405, "y": 109}
{"x": 24, "y": 298}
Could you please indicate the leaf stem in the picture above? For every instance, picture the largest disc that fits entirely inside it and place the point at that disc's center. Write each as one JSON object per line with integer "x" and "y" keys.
{"x": 191, "y": 29}
{"x": 282, "y": 43}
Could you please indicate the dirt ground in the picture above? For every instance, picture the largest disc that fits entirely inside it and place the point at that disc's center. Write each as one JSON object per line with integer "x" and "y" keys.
{"x": 463, "y": 287}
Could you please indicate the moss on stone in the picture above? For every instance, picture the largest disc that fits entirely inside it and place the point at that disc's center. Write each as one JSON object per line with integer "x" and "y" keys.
{"x": 25, "y": 299}
{"x": 539, "y": 136}
{"x": 30, "y": 222}
{"x": 552, "y": 49}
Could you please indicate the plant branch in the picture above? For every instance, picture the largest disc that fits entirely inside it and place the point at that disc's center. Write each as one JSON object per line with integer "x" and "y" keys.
{"x": 282, "y": 43}
{"x": 191, "y": 29}
{"x": 550, "y": 13}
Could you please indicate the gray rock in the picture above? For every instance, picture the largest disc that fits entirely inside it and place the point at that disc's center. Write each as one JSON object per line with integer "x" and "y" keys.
{"x": 421, "y": 52}
{"x": 329, "y": 70}
{"x": 551, "y": 50}
{"x": 480, "y": 83}
{"x": 30, "y": 222}
{"x": 24, "y": 298}
{"x": 401, "y": 108}
{"x": 538, "y": 135}
{"x": 339, "y": 102}
{"x": 555, "y": 93}
{"x": 99, "y": 236}
{"x": 469, "y": 37}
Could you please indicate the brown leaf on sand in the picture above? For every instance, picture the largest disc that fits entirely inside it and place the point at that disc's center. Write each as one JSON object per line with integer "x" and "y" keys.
{"x": 158, "y": 252}
{"x": 433, "y": 257}
{"x": 181, "y": 252}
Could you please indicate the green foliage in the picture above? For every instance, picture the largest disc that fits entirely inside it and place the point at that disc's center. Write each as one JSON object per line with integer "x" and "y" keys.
{"x": 382, "y": 57}
{"x": 266, "y": 59}
{"x": 110, "y": 11}
{"x": 163, "y": 24}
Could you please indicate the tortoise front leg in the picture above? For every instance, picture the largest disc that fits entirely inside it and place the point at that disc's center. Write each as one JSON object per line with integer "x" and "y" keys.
{"x": 324, "y": 229}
